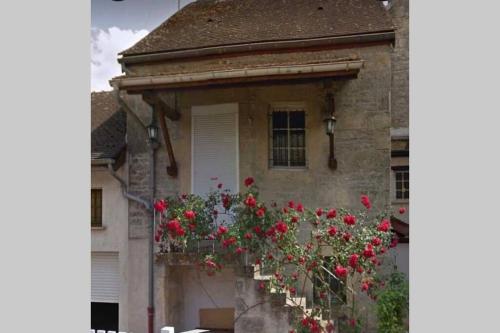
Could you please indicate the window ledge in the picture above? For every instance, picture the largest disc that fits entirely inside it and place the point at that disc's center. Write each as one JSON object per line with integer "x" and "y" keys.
{"x": 288, "y": 168}
{"x": 400, "y": 201}
{"x": 98, "y": 228}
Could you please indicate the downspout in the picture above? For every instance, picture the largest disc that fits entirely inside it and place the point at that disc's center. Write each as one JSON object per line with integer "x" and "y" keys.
{"x": 152, "y": 149}
{"x": 125, "y": 192}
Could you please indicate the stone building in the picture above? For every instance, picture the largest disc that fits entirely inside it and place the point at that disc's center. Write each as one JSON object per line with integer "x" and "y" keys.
{"x": 242, "y": 88}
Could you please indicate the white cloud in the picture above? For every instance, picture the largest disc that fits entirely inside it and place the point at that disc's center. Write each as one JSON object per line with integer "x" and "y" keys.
{"x": 105, "y": 46}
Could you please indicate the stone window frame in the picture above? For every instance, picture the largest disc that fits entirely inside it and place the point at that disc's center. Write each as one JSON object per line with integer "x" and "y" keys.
{"x": 286, "y": 106}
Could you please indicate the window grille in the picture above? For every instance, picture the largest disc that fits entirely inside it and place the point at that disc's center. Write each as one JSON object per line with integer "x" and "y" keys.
{"x": 402, "y": 182}
{"x": 288, "y": 136}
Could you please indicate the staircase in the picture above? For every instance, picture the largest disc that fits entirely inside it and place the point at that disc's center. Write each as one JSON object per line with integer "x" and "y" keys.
{"x": 277, "y": 310}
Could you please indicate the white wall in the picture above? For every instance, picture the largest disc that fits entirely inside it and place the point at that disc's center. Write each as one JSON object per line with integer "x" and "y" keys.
{"x": 113, "y": 237}
{"x": 197, "y": 286}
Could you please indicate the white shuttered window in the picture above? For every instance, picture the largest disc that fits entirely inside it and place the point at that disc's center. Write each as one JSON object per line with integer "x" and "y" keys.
{"x": 105, "y": 282}
{"x": 214, "y": 147}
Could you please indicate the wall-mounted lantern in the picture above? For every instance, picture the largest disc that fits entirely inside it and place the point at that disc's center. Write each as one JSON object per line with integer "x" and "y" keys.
{"x": 330, "y": 122}
{"x": 152, "y": 132}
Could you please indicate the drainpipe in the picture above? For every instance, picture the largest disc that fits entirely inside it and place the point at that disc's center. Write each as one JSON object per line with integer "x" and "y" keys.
{"x": 125, "y": 192}
{"x": 153, "y": 145}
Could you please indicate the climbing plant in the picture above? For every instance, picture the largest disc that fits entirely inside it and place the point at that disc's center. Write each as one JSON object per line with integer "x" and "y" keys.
{"x": 340, "y": 244}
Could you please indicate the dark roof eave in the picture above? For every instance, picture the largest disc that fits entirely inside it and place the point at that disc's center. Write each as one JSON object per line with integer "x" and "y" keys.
{"x": 382, "y": 36}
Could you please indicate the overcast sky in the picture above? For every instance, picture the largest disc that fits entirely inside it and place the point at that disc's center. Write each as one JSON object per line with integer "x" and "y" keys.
{"x": 117, "y": 25}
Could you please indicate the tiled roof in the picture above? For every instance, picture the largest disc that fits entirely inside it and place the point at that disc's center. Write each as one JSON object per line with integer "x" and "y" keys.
{"x": 108, "y": 123}
{"x": 205, "y": 23}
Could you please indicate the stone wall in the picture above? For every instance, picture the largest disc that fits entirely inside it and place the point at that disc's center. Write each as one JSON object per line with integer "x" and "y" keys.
{"x": 399, "y": 10}
{"x": 258, "y": 311}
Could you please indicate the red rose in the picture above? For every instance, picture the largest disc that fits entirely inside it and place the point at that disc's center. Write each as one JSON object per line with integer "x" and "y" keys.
{"x": 158, "y": 235}
{"x": 257, "y": 261}
{"x": 172, "y": 225}
{"x": 368, "y": 251}
{"x": 271, "y": 232}
{"x": 299, "y": 208}
{"x": 384, "y": 226}
{"x": 359, "y": 269}
{"x": 180, "y": 232}
{"x": 319, "y": 212}
{"x": 376, "y": 241}
{"x": 302, "y": 260}
{"x": 249, "y": 181}
{"x": 294, "y": 219}
{"x": 270, "y": 256}
{"x": 248, "y": 235}
{"x": 222, "y": 230}
{"x": 239, "y": 250}
{"x": 346, "y": 236}
{"x": 349, "y": 219}
{"x": 402, "y": 210}
{"x": 353, "y": 260}
{"x": 365, "y": 286}
{"x": 340, "y": 271}
{"x": 293, "y": 291}
{"x": 332, "y": 231}
{"x": 394, "y": 242}
{"x": 230, "y": 241}
{"x": 281, "y": 227}
{"x": 226, "y": 201}
{"x": 332, "y": 213}
{"x": 383, "y": 250}
{"x": 257, "y": 229}
{"x": 291, "y": 204}
{"x": 191, "y": 226}
{"x": 295, "y": 276}
{"x": 262, "y": 285}
{"x": 219, "y": 185}
{"x": 260, "y": 212}
{"x": 366, "y": 201}
{"x": 190, "y": 215}
{"x": 160, "y": 206}
{"x": 330, "y": 327}
{"x": 250, "y": 201}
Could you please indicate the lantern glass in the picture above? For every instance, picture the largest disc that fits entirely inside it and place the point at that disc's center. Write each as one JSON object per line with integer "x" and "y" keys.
{"x": 153, "y": 132}
{"x": 330, "y": 125}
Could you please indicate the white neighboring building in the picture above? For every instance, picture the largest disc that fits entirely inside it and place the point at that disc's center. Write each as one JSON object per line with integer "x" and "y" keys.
{"x": 109, "y": 215}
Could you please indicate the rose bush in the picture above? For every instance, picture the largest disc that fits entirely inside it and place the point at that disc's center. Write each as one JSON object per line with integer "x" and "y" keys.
{"x": 243, "y": 225}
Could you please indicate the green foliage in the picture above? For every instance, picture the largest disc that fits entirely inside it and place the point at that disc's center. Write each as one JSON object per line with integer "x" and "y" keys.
{"x": 393, "y": 304}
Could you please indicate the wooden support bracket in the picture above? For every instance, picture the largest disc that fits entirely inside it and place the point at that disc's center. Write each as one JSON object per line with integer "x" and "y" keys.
{"x": 163, "y": 110}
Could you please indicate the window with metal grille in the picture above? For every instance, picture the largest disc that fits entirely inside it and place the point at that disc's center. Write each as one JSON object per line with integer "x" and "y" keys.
{"x": 402, "y": 182}
{"x": 96, "y": 207}
{"x": 288, "y": 138}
